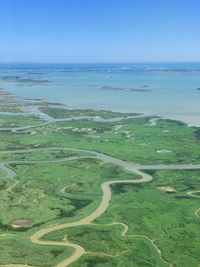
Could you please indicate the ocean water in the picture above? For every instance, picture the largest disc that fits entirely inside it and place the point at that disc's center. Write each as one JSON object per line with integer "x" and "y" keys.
{"x": 169, "y": 90}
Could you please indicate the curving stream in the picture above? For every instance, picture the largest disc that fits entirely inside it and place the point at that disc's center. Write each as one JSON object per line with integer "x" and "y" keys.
{"x": 36, "y": 238}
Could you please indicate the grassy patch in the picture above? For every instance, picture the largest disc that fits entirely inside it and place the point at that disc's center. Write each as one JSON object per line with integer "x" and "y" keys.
{"x": 47, "y": 193}
{"x": 7, "y": 121}
{"x": 60, "y": 113}
{"x": 106, "y": 247}
{"x": 43, "y": 155}
{"x": 21, "y": 251}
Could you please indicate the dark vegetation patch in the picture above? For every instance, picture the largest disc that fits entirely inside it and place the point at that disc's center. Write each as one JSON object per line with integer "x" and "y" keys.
{"x": 98, "y": 260}
{"x": 197, "y": 134}
{"x": 126, "y": 187}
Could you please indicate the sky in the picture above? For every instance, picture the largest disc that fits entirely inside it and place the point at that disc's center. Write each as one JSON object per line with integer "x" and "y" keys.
{"x": 75, "y": 31}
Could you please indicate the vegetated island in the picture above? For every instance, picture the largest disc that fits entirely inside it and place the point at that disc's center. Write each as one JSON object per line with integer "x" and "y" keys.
{"x": 144, "y": 89}
{"x": 60, "y": 113}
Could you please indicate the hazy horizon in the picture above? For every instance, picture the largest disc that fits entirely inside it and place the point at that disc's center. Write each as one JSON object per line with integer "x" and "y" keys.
{"x": 103, "y": 62}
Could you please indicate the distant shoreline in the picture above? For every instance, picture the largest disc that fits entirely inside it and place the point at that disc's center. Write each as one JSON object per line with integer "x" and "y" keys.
{"x": 168, "y": 90}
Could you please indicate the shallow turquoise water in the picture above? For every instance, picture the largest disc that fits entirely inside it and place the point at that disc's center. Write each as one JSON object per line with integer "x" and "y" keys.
{"x": 173, "y": 87}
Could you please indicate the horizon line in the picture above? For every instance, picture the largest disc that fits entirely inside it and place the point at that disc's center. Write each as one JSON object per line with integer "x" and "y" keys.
{"x": 99, "y": 62}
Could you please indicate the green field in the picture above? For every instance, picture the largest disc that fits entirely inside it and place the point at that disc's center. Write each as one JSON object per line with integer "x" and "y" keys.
{"x": 154, "y": 224}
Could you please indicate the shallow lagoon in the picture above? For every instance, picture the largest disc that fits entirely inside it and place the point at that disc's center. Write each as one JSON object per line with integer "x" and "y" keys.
{"x": 172, "y": 87}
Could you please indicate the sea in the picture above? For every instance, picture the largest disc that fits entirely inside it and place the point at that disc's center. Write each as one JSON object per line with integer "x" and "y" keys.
{"x": 169, "y": 90}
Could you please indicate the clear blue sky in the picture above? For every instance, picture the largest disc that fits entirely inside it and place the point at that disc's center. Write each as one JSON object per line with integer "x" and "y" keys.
{"x": 99, "y": 30}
